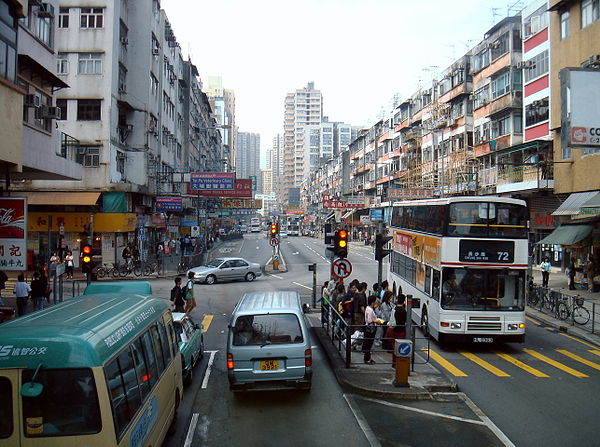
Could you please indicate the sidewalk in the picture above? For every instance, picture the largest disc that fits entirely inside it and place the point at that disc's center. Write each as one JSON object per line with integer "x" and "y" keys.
{"x": 377, "y": 380}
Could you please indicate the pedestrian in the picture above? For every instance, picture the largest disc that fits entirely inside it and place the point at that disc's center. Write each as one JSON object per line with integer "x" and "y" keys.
{"x": 385, "y": 287}
{"x": 384, "y": 311}
{"x": 400, "y": 317}
{"x": 590, "y": 271}
{"x": 38, "y": 292}
{"x": 54, "y": 259}
{"x": 370, "y": 329}
{"x": 22, "y": 290}
{"x": 126, "y": 254}
{"x": 545, "y": 266}
{"x": 360, "y": 304}
{"x": 325, "y": 302}
{"x": 571, "y": 270}
{"x": 135, "y": 252}
{"x": 177, "y": 296}
{"x": 69, "y": 264}
{"x": 45, "y": 285}
{"x": 190, "y": 300}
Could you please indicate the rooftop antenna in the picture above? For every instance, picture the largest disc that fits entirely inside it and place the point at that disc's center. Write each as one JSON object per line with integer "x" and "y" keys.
{"x": 516, "y": 6}
{"x": 495, "y": 14}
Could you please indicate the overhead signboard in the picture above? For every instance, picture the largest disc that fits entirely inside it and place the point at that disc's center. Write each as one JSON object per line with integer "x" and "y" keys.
{"x": 238, "y": 203}
{"x": 580, "y": 107}
{"x": 169, "y": 204}
{"x": 13, "y": 233}
{"x": 242, "y": 188}
{"x": 340, "y": 204}
{"x": 212, "y": 181}
{"x": 409, "y": 194}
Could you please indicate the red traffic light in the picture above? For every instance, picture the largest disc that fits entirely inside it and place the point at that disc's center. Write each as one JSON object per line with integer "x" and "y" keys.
{"x": 86, "y": 251}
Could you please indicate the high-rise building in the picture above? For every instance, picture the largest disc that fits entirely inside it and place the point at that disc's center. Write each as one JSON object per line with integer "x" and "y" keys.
{"x": 303, "y": 108}
{"x": 223, "y": 105}
{"x": 248, "y": 155}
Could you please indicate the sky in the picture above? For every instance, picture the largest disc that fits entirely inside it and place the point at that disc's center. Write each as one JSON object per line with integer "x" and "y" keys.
{"x": 359, "y": 53}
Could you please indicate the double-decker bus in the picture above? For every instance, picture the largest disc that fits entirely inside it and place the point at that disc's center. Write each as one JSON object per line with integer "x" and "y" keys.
{"x": 255, "y": 225}
{"x": 464, "y": 260}
{"x": 96, "y": 370}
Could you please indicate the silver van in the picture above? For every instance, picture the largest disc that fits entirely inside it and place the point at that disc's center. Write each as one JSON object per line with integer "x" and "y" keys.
{"x": 268, "y": 345}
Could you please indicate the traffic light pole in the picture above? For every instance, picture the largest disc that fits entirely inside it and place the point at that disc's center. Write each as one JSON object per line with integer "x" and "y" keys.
{"x": 380, "y": 261}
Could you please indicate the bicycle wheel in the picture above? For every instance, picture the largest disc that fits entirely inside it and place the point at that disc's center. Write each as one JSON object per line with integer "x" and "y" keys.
{"x": 123, "y": 271}
{"x": 101, "y": 272}
{"x": 115, "y": 272}
{"x": 182, "y": 267}
{"x": 562, "y": 311}
{"x": 137, "y": 270}
{"x": 581, "y": 315}
{"x": 148, "y": 270}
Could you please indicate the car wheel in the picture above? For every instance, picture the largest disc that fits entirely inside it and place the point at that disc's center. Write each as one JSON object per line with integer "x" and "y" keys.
{"x": 250, "y": 276}
{"x": 211, "y": 279}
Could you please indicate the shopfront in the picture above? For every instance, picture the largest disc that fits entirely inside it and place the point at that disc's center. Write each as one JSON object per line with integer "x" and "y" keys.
{"x": 62, "y": 232}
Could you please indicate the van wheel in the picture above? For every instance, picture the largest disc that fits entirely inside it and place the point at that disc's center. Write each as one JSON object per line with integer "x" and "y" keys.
{"x": 425, "y": 323}
{"x": 211, "y": 279}
{"x": 250, "y": 276}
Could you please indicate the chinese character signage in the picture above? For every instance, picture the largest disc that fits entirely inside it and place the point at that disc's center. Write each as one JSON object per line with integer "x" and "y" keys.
{"x": 242, "y": 188}
{"x": 341, "y": 204}
{"x": 502, "y": 252}
{"x": 13, "y": 233}
{"x": 238, "y": 203}
{"x": 169, "y": 204}
{"x": 409, "y": 194}
{"x": 212, "y": 181}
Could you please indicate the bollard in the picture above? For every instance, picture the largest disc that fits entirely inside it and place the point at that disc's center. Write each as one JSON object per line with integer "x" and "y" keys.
{"x": 402, "y": 353}
{"x": 275, "y": 264}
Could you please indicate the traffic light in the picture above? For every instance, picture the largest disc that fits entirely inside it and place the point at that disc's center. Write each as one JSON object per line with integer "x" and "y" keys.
{"x": 340, "y": 243}
{"x": 380, "y": 241}
{"x": 274, "y": 230}
{"x": 86, "y": 258}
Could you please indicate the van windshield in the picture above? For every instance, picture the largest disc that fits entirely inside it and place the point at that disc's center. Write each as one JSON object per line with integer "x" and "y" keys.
{"x": 68, "y": 404}
{"x": 271, "y": 329}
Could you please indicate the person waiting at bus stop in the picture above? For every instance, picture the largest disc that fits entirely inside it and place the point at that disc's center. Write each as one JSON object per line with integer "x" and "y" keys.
{"x": 545, "y": 266}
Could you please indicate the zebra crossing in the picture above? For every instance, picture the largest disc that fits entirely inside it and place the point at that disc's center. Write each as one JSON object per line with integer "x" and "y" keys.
{"x": 581, "y": 364}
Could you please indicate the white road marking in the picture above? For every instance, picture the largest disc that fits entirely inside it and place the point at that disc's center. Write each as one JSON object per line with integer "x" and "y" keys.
{"x": 301, "y": 285}
{"x": 475, "y": 409}
{"x": 362, "y": 422}
{"x": 208, "y": 368}
{"x": 191, "y": 429}
{"x": 276, "y": 276}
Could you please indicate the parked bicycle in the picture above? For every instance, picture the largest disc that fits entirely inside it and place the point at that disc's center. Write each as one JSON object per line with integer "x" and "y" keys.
{"x": 107, "y": 270}
{"x": 184, "y": 264}
{"x": 580, "y": 314}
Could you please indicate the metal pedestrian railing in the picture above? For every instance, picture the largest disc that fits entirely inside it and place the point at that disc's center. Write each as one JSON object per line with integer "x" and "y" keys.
{"x": 572, "y": 309}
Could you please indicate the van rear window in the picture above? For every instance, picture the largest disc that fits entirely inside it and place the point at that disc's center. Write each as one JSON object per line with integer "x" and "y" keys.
{"x": 271, "y": 329}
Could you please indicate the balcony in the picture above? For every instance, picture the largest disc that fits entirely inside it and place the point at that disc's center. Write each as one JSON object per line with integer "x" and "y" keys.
{"x": 525, "y": 177}
{"x": 512, "y": 100}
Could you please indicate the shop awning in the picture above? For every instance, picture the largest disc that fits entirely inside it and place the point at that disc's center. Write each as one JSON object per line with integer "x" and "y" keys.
{"x": 592, "y": 206}
{"x": 347, "y": 215}
{"x": 60, "y": 198}
{"x": 567, "y": 235}
{"x": 572, "y": 206}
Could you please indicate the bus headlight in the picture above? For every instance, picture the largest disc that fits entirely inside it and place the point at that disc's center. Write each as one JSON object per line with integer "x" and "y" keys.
{"x": 515, "y": 326}
{"x": 455, "y": 325}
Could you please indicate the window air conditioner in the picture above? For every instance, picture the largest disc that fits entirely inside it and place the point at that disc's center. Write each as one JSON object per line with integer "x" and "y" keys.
{"x": 46, "y": 11}
{"x": 155, "y": 51}
{"x": 124, "y": 40}
{"x": 45, "y": 112}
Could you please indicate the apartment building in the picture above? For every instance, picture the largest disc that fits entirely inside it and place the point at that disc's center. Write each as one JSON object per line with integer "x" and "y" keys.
{"x": 222, "y": 102}
{"x": 141, "y": 121}
{"x": 248, "y": 155}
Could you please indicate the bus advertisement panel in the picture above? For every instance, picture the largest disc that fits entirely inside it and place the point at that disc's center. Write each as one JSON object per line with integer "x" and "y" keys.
{"x": 464, "y": 259}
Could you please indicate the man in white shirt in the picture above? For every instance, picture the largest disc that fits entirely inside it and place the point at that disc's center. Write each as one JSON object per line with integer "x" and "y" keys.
{"x": 22, "y": 290}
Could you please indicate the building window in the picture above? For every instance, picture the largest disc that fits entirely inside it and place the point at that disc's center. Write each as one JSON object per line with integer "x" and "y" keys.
{"x": 43, "y": 29}
{"x": 153, "y": 85}
{"x": 535, "y": 22}
{"x": 501, "y": 85}
{"x": 62, "y": 104}
{"x": 121, "y": 162}
{"x": 589, "y": 12}
{"x": 564, "y": 25}
{"x": 63, "y": 18}
{"x": 90, "y": 63}
{"x": 500, "y": 46}
{"x": 91, "y": 157}
{"x": 501, "y": 126}
{"x": 122, "y": 79}
{"x": 92, "y": 17}
{"x": 8, "y": 42}
{"x": 62, "y": 63}
{"x": 89, "y": 109}
{"x": 36, "y": 116}
{"x": 536, "y": 66}
{"x": 536, "y": 112}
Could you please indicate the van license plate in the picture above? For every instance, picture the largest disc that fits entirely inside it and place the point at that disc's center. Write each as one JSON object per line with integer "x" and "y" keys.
{"x": 269, "y": 365}
{"x": 483, "y": 339}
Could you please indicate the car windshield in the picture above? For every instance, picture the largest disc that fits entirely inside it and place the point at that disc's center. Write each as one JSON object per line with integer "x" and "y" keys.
{"x": 483, "y": 289}
{"x": 267, "y": 329}
{"x": 215, "y": 263}
{"x": 68, "y": 404}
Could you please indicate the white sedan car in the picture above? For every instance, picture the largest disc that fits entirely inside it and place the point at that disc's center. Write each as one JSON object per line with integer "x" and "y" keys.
{"x": 226, "y": 269}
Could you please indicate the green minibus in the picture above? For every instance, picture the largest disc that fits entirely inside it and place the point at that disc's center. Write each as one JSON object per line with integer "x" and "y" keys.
{"x": 96, "y": 370}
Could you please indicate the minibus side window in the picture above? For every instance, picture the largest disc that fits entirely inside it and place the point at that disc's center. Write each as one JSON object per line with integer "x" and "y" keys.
{"x": 164, "y": 341}
{"x": 174, "y": 338}
{"x": 140, "y": 367}
{"x": 160, "y": 360}
{"x": 150, "y": 359}
{"x": 6, "y": 404}
{"x": 123, "y": 388}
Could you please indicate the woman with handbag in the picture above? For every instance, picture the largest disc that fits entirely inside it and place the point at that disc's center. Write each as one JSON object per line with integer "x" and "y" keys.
{"x": 370, "y": 329}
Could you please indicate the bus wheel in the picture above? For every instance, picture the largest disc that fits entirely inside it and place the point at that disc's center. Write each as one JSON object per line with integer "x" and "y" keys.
{"x": 425, "y": 323}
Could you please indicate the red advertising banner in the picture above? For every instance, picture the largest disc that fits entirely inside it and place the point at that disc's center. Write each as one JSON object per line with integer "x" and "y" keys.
{"x": 13, "y": 233}
{"x": 242, "y": 188}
